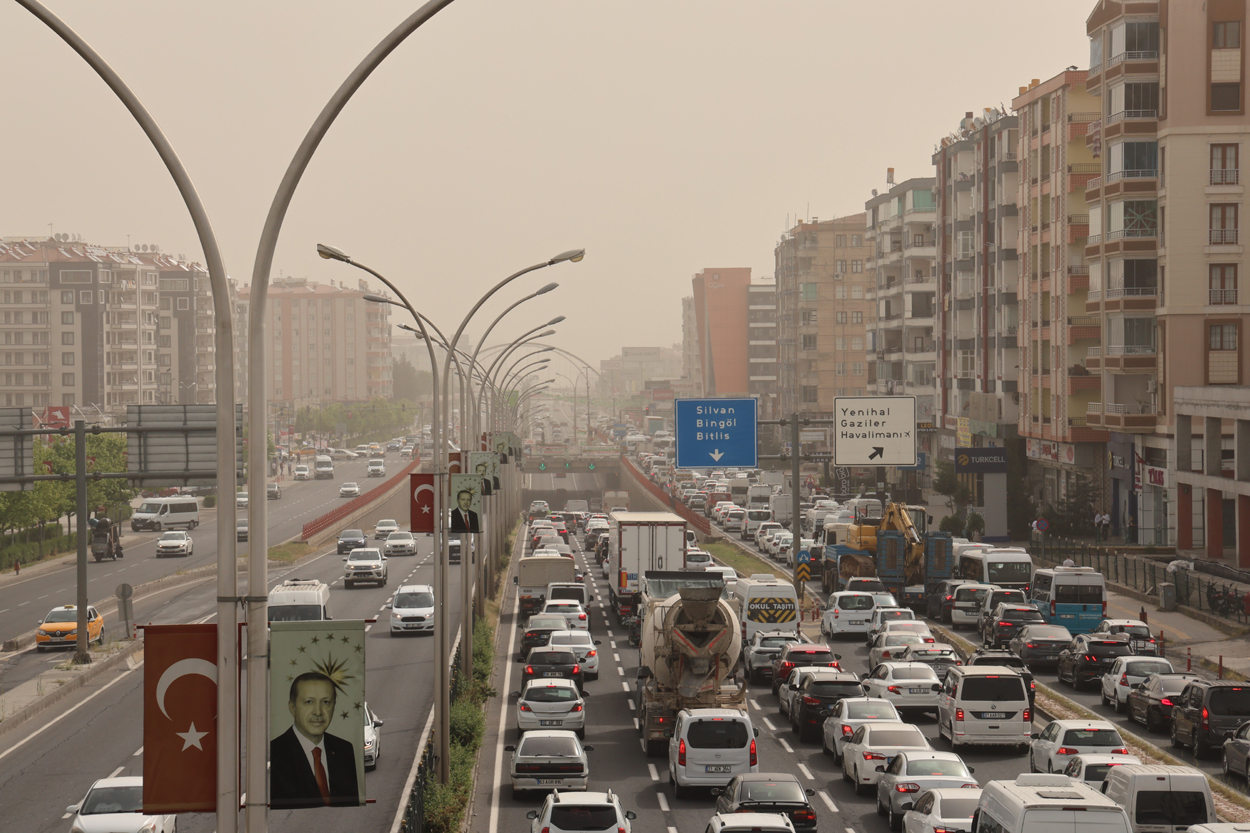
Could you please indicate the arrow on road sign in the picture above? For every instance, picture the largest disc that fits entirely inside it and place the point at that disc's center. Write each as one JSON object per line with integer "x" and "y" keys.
{"x": 716, "y": 454}
{"x": 877, "y": 451}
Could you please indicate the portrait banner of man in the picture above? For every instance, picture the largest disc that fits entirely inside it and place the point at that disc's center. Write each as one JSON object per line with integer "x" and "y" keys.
{"x": 466, "y": 503}
{"x": 500, "y": 442}
{"x": 486, "y": 465}
{"x": 317, "y": 714}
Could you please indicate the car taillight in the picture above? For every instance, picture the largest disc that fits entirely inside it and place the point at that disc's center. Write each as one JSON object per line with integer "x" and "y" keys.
{"x": 885, "y": 654}
{"x": 1063, "y": 750}
{"x": 1104, "y": 608}
{"x": 929, "y": 639}
{"x": 804, "y": 815}
{"x": 530, "y": 635}
{"x": 1123, "y": 750}
{"x": 591, "y": 654}
{"x": 754, "y": 760}
{"x": 1205, "y": 714}
{"x": 812, "y": 701}
{"x": 1166, "y": 701}
{"x": 1004, "y": 624}
{"x": 873, "y": 756}
{"x": 1028, "y": 716}
{"x": 1124, "y": 679}
{"x": 529, "y": 669}
{"x": 1090, "y": 658}
{"x": 576, "y": 707}
{"x": 681, "y": 753}
{"x": 847, "y": 731}
{"x": 525, "y": 708}
{"x": 907, "y": 788}
{"x": 1052, "y": 609}
{"x": 893, "y": 689}
{"x": 577, "y": 669}
{"x": 581, "y": 617}
{"x": 1029, "y": 645}
{"x": 948, "y": 598}
{"x": 959, "y": 714}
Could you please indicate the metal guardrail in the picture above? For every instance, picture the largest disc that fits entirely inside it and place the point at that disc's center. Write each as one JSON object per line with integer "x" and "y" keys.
{"x": 334, "y": 516}
{"x": 687, "y": 514}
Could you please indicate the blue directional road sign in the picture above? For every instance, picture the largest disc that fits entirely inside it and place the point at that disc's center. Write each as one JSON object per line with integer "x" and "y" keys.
{"x": 805, "y": 557}
{"x": 716, "y": 432}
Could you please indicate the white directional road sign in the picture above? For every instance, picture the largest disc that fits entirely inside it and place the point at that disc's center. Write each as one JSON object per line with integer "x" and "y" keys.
{"x": 716, "y": 432}
{"x": 874, "y": 430}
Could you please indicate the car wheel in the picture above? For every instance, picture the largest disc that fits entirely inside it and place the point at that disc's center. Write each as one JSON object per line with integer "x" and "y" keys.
{"x": 1120, "y": 705}
{"x": 1152, "y": 722}
{"x": 581, "y": 733}
{"x": 896, "y": 820}
{"x": 1050, "y": 768}
{"x": 1102, "y": 695}
{"x": 824, "y": 747}
{"x": 1227, "y": 772}
{"x": 1201, "y": 748}
{"x": 861, "y": 789}
{"x": 837, "y": 756}
{"x": 880, "y": 806}
{"x": 1032, "y": 765}
{"x": 845, "y": 775}
{"x": 1173, "y": 738}
{"x": 156, "y": 527}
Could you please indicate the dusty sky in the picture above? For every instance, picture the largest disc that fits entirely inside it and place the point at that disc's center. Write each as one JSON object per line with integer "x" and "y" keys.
{"x": 663, "y": 136}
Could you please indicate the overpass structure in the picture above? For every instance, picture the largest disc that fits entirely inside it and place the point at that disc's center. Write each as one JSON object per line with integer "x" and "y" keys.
{"x": 558, "y": 474}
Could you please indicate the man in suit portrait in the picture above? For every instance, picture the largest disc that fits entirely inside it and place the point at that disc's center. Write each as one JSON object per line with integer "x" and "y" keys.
{"x": 464, "y": 519}
{"x": 308, "y": 767}
{"x": 486, "y": 484}
{"x": 501, "y": 448}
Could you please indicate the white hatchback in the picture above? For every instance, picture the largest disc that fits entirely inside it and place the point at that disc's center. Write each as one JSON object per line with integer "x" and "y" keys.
{"x": 581, "y": 644}
{"x": 412, "y": 609}
{"x": 847, "y": 715}
{"x": 549, "y": 759}
{"x": 1127, "y": 672}
{"x": 551, "y": 704}
{"x": 1054, "y": 746}
{"x": 572, "y": 611}
{"x": 910, "y": 686}
{"x": 874, "y": 745}
{"x": 847, "y": 612}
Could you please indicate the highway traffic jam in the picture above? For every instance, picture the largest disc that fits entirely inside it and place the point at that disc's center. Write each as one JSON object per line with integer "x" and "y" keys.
{"x": 651, "y": 688}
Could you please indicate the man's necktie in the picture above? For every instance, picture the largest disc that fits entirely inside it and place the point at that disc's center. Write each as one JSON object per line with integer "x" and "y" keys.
{"x": 323, "y": 783}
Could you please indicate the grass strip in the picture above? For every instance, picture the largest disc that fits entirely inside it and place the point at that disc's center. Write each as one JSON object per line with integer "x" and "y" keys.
{"x": 289, "y": 553}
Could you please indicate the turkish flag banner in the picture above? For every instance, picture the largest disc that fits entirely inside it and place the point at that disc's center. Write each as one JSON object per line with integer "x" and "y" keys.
{"x": 180, "y": 719}
{"x": 453, "y": 463}
{"x": 421, "y": 507}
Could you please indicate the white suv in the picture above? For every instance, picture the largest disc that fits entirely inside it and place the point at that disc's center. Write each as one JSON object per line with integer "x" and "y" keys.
{"x": 566, "y": 812}
{"x": 367, "y": 564}
{"x": 709, "y": 747}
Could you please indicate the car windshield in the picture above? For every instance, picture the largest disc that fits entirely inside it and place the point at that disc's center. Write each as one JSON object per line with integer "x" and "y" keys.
{"x": 540, "y": 747}
{"x": 1008, "y": 596}
{"x": 410, "y": 600}
{"x": 936, "y": 767}
{"x": 1092, "y": 737}
{"x": 1007, "y": 660}
{"x": 810, "y": 655}
{"x": 553, "y": 658}
{"x": 970, "y": 594}
{"x": 1135, "y": 630}
{"x": 717, "y": 734}
{"x": 930, "y": 654}
{"x": 662, "y": 588}
{"x": 550, "y": 622}
{"x": 880, "y": 710}
{"x": 1078, "y": 594}
{"x": 1148, "y": 667}
{"x": 856, "y": 603}
{"x": 550, "y": 694}
{"x": 835, "y": 688}
{"x": 909, "y": 627}
{"x": 174, "y": 536}
{"x": 364, "y": 555}
{"x": 994, "y": 689}
{"x": 881, "y": 737}
{"x": 62, "y": 616}
{"x": 400, "y": 536}
{"x": 777, "y": 641}
{"x": 920, "y": 672}
{"x": 150, "y": 508}
{"x": 887, "y": 615}
{"x": 1171, "y": 807}
{"x": 1018, "y": 615}
{"x": 1049, "y": 632}
{"x": 1110, "y": 649}
{"x": 352, "y": 533}
{"x": 1097, "y": 772}
{"x": 958, "y": 808}
{"x": 113, "y": 800}
{"x": 580, "y": 639}
{"x": 1004, "y": 572}
{"x": 583, "y": 817}
{"x": 1230, "y": 701}
{"x": 892, "y": 639}
{"x": 772, "y": 791}
{"x": 294, "y": 613}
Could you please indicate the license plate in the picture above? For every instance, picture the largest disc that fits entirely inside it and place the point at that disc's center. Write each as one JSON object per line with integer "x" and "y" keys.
{"x": 550, "y": 782}
{"x": 551, "y": 674}
{"x": 889, "y": 760}
{"x": 994, "y": 716}
{"x": 551, "y": 723}
{"x": 915, "y": 691}
{"x": 718, "y": 768}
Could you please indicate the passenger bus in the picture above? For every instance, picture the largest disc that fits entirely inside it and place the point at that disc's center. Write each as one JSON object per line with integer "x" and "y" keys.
{"x": 1009, "y": 567}
{"x": 1075, "y": 597}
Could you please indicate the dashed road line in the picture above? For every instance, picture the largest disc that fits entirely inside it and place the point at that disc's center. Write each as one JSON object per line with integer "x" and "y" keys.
{"x": 770, "y": 725}
{"x": 785, "y": 745}
{"x": 137, "y": 754}
{"x": 632, "y": 707}
{"x": 637, "y": 725}
{"x": 655, "y": 773}
{"x": 824, "y": 796}
{"x": 616, "y": 657}
{"x": 806, "y": 773}
{"x": 755, "y": 705}
{"x": 611, "y": 642}
{"x": 625, "y": 686}
{"x": 660, "y": 797}
{"x": 113, "y": 774}
{"x": 620, "y": 670}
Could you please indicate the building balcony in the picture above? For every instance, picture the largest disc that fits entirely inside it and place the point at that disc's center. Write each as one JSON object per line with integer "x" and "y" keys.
{"x": 915, "y": 284}
{"x": 1225, "y": 176}
{"x": 1084, "y": 328}
{"x": 1078, "y": 281}
{"x": 1119, "y": 417}
{"x": 1078, "y": 383}
{"x": 1131, "y": 234}
{"x": 1221, "y": 297}
{"x": 1093, "y": 358}
{"x": 1222, "y": 237}
{"x": 890, "y": 288}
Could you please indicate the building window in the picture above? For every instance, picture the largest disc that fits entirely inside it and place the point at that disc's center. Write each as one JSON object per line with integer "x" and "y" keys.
{"x": 807, "y": 317}
{"x": 857, "y": 368}
{"x": 67, "y": 297}
{"x": 839, "y": 293}
{"x": 857, "y": 293}
{"x": 839, "y": 240}
{"x": 184, "y": 303}
{"x": 809, "y": 343}
{"x": 809, "y": 394}
{"x": 857, "y": 342}
{"x": 857, "y": 239}
{"x": 857, "y": 266}
{"x": 1223, "y": 283}
{"x": 165, "y": 304}
{"x": 839, "y": 267}
{"x": 1224, "y": 164}
{"x": 67, "y": 338}
{"x": 1227, "y": 35}
{"x": 840, "y": 341}
{"x": 67, "y": 318}
{"x": 67, "y": 399}
{"x": 84, "y": 297}
{"x": 809, "y": 292}
{"x": 840, "y": 317}
{"x": 164, "y": 322}
{"x": 67, "y": 359}
{"x": 1225, "y": 98}
{"x": 165, "y": 341}
{"x": 1223, "y": 225}
{"x": 1222, "y": 366}
{"x": 67, "y": 380}
{"x": 1223, "y": 337}
{"x": 857, "y": 317}
{"x": 839, "y": 369}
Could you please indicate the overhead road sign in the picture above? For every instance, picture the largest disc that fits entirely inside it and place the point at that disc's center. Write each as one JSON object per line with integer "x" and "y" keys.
{"x": 716, "y": 432}
{"x": 874, "y": 430}
{"x": 178, "y": 440}
{"x": 17, "y": 451}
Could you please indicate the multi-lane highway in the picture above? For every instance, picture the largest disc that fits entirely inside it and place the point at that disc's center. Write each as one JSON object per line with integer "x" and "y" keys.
{"x": 49, "y": 762}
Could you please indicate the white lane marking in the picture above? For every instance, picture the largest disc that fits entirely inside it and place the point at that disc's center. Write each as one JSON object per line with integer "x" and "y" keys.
{"x": 672, "y": 830}
{"x": 137, "y": 754}
{"x": 785, "y": 745}
{"x": 503, "y": 721}
{"x": 655, "y": 773}
{"x": 611, "y": 642}
{"x": 113, "y": 774}
{"x": 610, "y": 634}
{"x": 368, "y": 628}
{"x": 621, "y": 671}
{"x": 616, "y": 657}
{"x": 70, "y": 711}
{"x": 824, "y": 796}
{"x": 769, "y": 724}
{"x": 806, "y": 773}
{"x": 632, "y": 707}
{"x": 850, "y": 830}
{"x": 660, "y": 797}
{"x": 624, "y": 686}
{"x": 756, "y": 706}
{"x": 637, "y": 725}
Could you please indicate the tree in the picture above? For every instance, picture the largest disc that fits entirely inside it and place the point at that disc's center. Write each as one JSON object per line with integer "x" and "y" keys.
{"x": 1074, "y": 514}
{"x": 409, "y": 382}
{"x": 948, "y": 484}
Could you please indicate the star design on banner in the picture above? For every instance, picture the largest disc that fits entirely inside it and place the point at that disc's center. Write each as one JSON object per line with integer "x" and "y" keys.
{"x": 356, "y": 707}
{"x": 192, "y": 738}
{"x": 315, "y": 640}
{"x": 360, "y": 648}
{"x": 302, "y": 649}
{"x": 344, "y": 714}
{"x": 344, "y": 639}
{"x": 426, "y": 509}
{"x": 292, "y": 663}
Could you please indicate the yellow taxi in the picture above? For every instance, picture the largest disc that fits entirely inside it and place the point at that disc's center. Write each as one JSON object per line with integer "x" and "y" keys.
{"x": 60, "y": 627}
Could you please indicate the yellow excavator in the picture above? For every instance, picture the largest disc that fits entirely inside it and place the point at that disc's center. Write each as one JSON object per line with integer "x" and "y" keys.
{"x": 902, "y": 562}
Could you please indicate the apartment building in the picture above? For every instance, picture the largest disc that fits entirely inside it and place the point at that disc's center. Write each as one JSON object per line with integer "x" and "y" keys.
{"x": 719, "y": 303}
{"x": 824, "y": 313}
{"x": 626, "y": 375}
{"x": 325, "y": 343}
{"x": 1056, "y": 382}
{"x": 691, "y": 369}
{"x": 103, "y": 327}
{"x": 1164, "y": 248}
{"x": 762, "y": 345}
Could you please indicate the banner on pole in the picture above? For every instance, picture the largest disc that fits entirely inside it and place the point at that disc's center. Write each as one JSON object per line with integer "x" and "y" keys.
{"x": 466, "y": 503}
{"x": 180, "y": 719}
{"x": 421, "y": 506}
{"x": 485, "y": 464}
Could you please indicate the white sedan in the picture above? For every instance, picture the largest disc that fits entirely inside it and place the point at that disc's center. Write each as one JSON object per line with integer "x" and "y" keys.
{"x": 914, "y": 771}
{"x": 373, "y": 738}
{"x": 1127, "y": 672}
{"x": 847, "y": 715}
{"x": 910, "y": 686}
{"x": 551, "y": 704}
{"x": 874, "y": 745}
{"x": 1054, "y": 746}
{"x": 891, "y": 646}
{"x": 948, "y": 810}
{"x": 549, "y": 759}
{"x": 384, "y": 528}
{"x": 581, "y": 644}
{"x": 115, "y": 805}
{"x": 349, "y": 490}
{"x": 1093, "y": 769}
{"x": 174, "y": 543}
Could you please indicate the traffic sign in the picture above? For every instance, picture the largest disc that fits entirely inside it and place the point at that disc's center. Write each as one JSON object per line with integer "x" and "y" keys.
{"x": 716, "y": 432}
{"x": 874, "y": 430}
{"x": 1042, "y": 524}
{"x": 805, "y": 557}
{"x": 803, "y": 573}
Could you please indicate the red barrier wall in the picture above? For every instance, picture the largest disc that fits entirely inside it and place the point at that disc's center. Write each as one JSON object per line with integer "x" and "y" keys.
{"x": 643, "y": 482}
{"x": 334, "y": 516}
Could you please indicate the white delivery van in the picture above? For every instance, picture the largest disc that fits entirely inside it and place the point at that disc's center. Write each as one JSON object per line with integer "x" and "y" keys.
{"x": 166, "y": 513}
{"x": 323, "y": 467}
{"x": 1161, "y": 799}
{"x": 300, "y": 600}
{"x": 751, "y": 520}
{"x": 1007, "y": 567}
{"x": 1046, "y": 803}
{"x": 765, "y": 603}
{"x": 984, "y": 705}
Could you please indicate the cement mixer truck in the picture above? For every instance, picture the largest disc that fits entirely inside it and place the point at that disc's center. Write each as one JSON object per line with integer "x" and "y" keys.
{"x": 690, "y": 646}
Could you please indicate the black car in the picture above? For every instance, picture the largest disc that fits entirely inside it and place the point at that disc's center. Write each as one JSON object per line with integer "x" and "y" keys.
{"x": 1040, "y": 644}
{"x": 942, "y": 598}
{"x": 539, "y": 630}
{"x": 801, "y": 655}
{"x": 352, "y": 539}
{"x": 1088, "y": 657}
{"x": 544, "y": 663}
{"x": 768, "y": 792}
{"x": 1207, "y": 711}
{"x": 990, "y": 656}
{"x": 1006, "y": 620}
{"x": 816, "y": 695}
{"x": 1151, "y": 701}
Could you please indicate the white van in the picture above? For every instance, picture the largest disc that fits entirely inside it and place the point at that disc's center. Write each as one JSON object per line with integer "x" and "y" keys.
{"x": 1161, "y": 799}
{"x": 1009, "y": 567}
{"x": 1046, "y": 803}
{"x": 985, "y": 705}
{"x": 166, "y": 513}
{"x": 710, "y": 747}
{"x": 300, "y": 600}
{"x": 765, "y": 603}
{"x": 323, "y": 467}
{"x": 751, "y": 520}
{"x": 1075, "y": 597}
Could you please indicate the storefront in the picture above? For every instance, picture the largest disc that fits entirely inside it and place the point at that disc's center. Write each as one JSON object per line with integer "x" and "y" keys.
{"x": 1153, "y": 521}
{"x": 1061, "y": 465}
{"x": 1121, "y": 465}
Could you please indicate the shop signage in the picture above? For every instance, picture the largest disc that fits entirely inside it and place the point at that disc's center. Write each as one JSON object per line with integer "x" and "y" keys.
{"x": 1156, "y": 477}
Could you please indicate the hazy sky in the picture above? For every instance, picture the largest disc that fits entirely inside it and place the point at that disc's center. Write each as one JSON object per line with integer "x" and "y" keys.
{"x": 664, "y": 136}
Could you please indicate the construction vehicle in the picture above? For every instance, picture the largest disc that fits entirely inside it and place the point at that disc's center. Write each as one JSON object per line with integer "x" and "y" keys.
{"x": 908, "y": 559}
{"x": 689, "y": 648}
{"x": 106, "y": 541}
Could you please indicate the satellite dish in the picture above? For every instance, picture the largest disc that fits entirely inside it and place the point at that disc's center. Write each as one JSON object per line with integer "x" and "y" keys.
{"x": 874, "y": 192}
{"x": 154, "y": 247}
{"x": 61, "y": 238}
{"x": 143, "y": 247}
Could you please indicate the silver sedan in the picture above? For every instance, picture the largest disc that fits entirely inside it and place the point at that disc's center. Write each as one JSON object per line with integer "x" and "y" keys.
{"x": 914, "y": 771}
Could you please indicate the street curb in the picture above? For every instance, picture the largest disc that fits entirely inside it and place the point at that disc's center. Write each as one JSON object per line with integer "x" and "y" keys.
{"x": 1210, "y": 619}
{"x": 26, "y": 713}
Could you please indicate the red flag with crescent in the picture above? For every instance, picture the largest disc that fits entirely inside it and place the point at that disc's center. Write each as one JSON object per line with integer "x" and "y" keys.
{"x": 421, "y": 507}
{"x": 453, "y": 463}
{"x": 180, "y": 719}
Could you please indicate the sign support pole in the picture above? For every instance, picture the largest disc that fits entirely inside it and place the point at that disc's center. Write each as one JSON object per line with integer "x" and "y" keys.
{"x": 796, "y": 520}
{"x": 82, "y": 645}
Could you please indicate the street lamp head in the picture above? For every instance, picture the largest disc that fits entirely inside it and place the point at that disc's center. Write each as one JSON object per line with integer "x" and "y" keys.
{"x": 546, "y": 333}
{"x": 555, "y": 321}
{"x": 377, "y": 299}
{"x": 412, "y": 330}
{"x": 332, "y": 253}
{"x": 547, "y": 288}
{"x": 572, "y": 255}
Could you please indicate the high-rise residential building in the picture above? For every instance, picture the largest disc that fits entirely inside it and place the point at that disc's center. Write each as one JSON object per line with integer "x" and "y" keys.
{"x": 326, "y": 343}
{"x": 1164, "y": 247}
{"x": 626, "y": 374}
{"x": 103, "y": 327}
{"x": 1056, "y": 332}
{"x": 690, "y": 366}
{"x": 824, "y": 313}
{"x": 720, "y": 312}
{"x": 762, "y": 345}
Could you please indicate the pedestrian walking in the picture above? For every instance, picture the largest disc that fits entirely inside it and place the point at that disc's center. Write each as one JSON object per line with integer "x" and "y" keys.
{"x": 17, "y": 567}
{"x": 1106, "y": 527}
{"x": 1097, "y": 527}
{"x": 1130, "y": 530}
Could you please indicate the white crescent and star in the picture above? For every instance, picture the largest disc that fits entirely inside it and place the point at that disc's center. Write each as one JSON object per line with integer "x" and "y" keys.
{"x": 183, "y": 668}
{"x": 417, "y": 497}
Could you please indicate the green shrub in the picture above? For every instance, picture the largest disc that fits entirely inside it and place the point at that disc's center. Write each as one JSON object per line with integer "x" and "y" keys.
{"x": 468, "y": 723}
{"x": 210, "y": 501}
{"x": 445, "y": 804}
{"x": 951, "y": 524}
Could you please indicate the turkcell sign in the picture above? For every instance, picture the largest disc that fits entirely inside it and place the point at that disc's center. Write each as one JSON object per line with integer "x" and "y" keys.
{"x": 716, "y": 432}
{"x": 874, "y": 430}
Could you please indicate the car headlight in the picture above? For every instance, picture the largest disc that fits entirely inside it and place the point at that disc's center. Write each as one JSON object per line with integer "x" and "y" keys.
{"x": 150, "y": 827}
{"x": 368, "y": 744}
{"x": 74, "y": 632}
{"x": 42, "y": 632}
